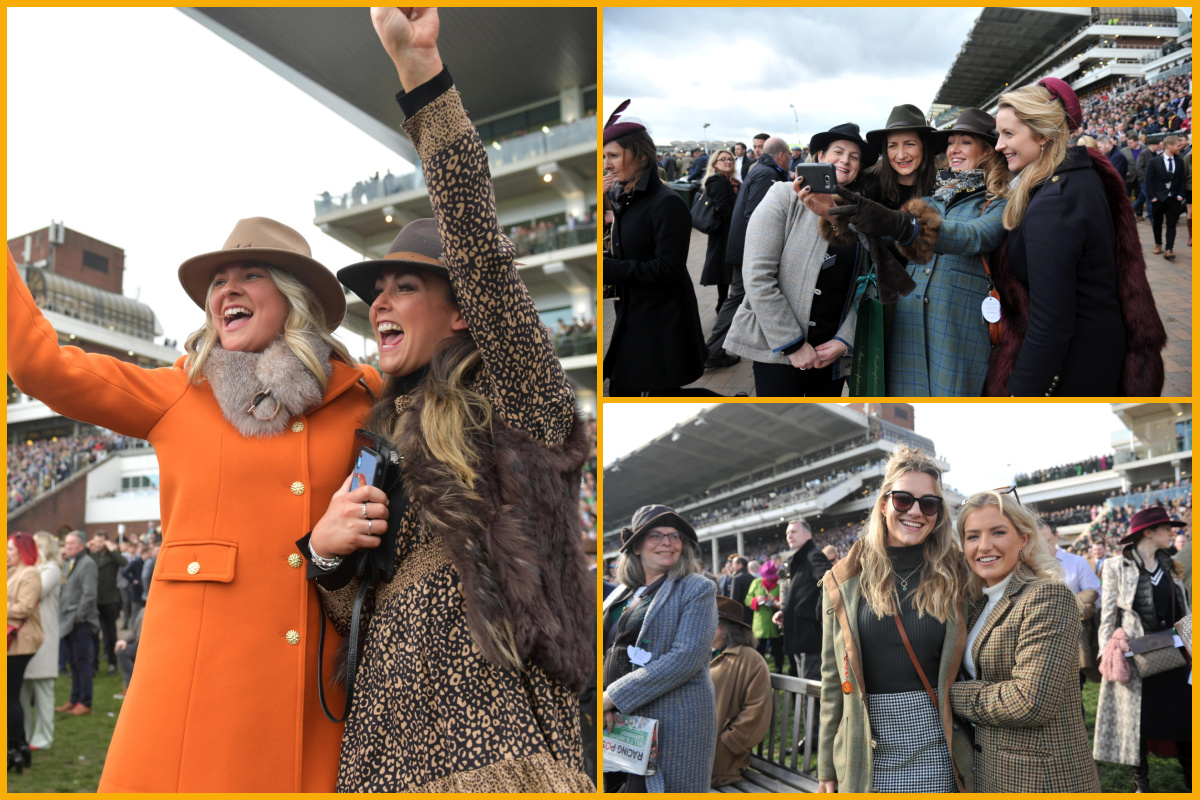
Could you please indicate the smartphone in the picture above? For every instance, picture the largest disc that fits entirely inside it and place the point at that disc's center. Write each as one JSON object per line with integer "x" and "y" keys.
{"x": 368, "y": 469}
{"x": 821, "y": 178}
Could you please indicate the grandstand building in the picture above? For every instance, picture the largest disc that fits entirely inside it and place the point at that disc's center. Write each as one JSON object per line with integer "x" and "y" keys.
{"x": 108, "y": 480}
{"x": 740, "y": 472}
{"x": 536, "y": 114}
{"x": 1089, "y": 47}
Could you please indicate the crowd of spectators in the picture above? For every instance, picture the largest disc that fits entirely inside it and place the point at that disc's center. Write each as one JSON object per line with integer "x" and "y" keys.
{"x": 36, "y": 467}
{"x": 545, "y": 235}
{"x": 1111, "y": 521}
{"x": 587, "y": 488}
{"x": 577, "y": 337}
{"x": 1085, "y": 467}
{"x": 1134, "y": 107}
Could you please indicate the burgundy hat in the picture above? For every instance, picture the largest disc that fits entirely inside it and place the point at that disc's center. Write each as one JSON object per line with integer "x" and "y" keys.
{"x": 730, "y": 610}
{"x": 1065, "y": 95}
{"x": 1149, "y": 518}
{"x": 619, "y": 125}
{"x": 418, "y": 244}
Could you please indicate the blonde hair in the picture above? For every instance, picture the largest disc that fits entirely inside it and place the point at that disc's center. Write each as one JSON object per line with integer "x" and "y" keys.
{"x": 711, "y": 168}
{"x": 1087, "y": 141}
{"x": 1036, "y": 562}
{"x": 995, "y": 172}
{"x": 631, "y": 574}
{"x": 944, "y": 570}
{"x": 47, "y": 547}
{"x": 1035, "y": 107}
{"x": 301, "y": 321}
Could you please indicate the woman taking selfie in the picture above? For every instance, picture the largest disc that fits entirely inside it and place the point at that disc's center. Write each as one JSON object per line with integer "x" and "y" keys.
{"x": 659, "y": 627}
{"x": 1143, "y": 594}
{"x": 882, "y": 727}
{"x": 1022, "y": 656}
{"x": 721, "y": 186}
{"x": 797, "y": 321}
{"x": 657, "y": 344}
{"x": 253, "y": 430}
{"x": 474, "y": 649}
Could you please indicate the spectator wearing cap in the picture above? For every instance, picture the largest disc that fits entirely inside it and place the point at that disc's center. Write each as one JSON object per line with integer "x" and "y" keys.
{"x": 657, "y": 343}
{"x": 797, "y": 158}
{"x": 1143, "y": 594}
{"x": 658, "y": 631}
{"x": 743, "y": 689}
{"x": 1073, "y": 260}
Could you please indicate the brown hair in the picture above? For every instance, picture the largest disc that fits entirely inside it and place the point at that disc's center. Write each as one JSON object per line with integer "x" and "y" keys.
{"x": 640, "y": 147}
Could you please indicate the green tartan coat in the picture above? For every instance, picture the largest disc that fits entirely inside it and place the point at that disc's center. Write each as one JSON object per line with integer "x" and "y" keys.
{"x": 939, "y": 346}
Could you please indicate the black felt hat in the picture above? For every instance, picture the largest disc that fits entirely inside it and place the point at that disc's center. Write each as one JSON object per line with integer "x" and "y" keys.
{"x": 652, "y": 516}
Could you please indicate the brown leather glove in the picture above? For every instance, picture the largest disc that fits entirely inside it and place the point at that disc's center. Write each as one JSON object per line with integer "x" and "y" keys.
{"x": 875, "y": 219}
{"x": 891, "y": 277}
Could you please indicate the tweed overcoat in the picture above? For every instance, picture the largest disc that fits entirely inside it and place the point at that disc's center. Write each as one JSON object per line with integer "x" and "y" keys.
{"x": 939, "y": 343}
{"x": 1119, "y": 710}
{"x": 780, "y": 266}
{"x": 675, "y": 687}
{"x": 77, "y": 602}
{"x": 742, "y": 682}
{"x": 24, "y": 597}
{"x": 1029, "y": 735}
{"x": 224, "y": 700}
{"x": 845, "y": 749}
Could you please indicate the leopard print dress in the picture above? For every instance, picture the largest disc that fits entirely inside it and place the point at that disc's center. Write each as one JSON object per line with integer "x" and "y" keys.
{"x": 429, "y": 713}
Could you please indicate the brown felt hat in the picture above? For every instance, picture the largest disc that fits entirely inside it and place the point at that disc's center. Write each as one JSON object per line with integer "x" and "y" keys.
{"x": 971, "y": 120}
{"x": 266, "y": 241}
{"x": 418, "y": 244}
{"x": 730, "y": 609}
{"x": 905, "y": 117}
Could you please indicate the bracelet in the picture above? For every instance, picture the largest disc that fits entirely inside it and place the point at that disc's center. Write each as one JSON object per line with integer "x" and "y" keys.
{"x": 326, "y": 564}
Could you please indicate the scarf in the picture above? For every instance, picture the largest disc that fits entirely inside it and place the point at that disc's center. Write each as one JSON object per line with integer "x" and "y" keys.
{"x": 260, "y": 393}
{"x": 951, "y": 185}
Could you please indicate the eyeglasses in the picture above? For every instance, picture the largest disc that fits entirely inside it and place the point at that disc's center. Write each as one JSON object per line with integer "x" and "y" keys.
{"x": 658, "y": 536}
{"x": 1002, "y": 490}
{"x": 930, "y": 504}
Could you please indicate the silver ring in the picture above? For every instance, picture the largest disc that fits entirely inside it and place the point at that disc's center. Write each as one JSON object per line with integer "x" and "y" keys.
{"x": 364, "y": 509}
{"x": 369, "y": 526}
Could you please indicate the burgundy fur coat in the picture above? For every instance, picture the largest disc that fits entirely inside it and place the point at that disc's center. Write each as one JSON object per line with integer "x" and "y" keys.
{"x": 1145, "y": 337}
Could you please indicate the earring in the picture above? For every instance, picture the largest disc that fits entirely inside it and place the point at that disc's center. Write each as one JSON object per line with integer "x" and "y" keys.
{"x": 1043, "y": 147}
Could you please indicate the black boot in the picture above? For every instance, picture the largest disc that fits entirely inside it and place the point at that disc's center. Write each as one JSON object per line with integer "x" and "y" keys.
{"x": 14, "y": 760}
{"x": 1141, "y": 776}
{"x": 1185, "y": 762}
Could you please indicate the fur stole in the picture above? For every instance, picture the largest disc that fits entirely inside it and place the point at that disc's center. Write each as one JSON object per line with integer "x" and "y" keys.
{"x": 1142, "y": 371}
{"x": 515, "y": 542}
{"x": 238, "y": 379}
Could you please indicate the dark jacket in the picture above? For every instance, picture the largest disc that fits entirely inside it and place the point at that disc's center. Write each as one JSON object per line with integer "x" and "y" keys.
{"x": 699, "y": 166}
{"x": 672, "y": 169}
{"x": 748, "y": 162}
{"x": 802, "y": 605}
{"x": 657, "y": 342}
{"x": 1157, "y": 178}
{"x": 720, "y": 191}
{"x": 133, "y": 573}
{"x": 753, "y": 190}
{"x": 739, "y": 585}
{"x": 1143, "y": 161}
{"x": 1064, "y": 252}
{"x": 1120, "y": 164}
{"x": 108, "y": 564}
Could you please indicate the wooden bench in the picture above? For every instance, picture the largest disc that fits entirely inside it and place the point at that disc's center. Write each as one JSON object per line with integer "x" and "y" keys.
{"x": 779, "y": 765}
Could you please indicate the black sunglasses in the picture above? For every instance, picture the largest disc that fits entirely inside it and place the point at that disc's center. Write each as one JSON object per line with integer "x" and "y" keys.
{"x": 930, "y": 504}
{"x": 1002, "y": 490}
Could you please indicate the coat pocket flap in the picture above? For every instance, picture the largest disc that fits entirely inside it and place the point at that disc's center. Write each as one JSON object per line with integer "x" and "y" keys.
{"x": 205, "y": 560}
{"x": 1152, "y": 641}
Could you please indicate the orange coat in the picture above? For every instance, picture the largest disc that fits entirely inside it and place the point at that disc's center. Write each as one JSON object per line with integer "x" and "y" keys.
{"x": 225, "y": 696}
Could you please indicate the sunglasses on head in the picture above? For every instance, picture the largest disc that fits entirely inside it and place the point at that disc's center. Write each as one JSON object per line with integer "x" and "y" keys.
{"x": 930, "y": 504}
{"x": 1002, "y": 490}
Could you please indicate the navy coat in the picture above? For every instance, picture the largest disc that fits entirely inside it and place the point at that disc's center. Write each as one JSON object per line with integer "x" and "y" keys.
{"x": 764, "y": 173}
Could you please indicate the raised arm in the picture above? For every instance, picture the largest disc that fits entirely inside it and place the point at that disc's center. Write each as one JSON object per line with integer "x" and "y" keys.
{"x": 976, "y": 235}
{"x": 527, "y": 385}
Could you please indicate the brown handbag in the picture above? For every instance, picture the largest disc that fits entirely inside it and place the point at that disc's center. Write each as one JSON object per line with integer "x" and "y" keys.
{"x": 1156, "y": 652}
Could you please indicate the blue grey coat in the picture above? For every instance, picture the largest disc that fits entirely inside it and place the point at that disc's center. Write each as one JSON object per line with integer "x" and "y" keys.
{"x": 939, "y": 343}
{"x": 674, "y": 687}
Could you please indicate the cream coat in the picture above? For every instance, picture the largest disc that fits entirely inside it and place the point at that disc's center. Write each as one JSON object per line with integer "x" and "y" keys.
{"x": 44, "y": 664}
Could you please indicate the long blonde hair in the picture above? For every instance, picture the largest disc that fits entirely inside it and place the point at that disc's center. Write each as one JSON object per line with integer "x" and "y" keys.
{"x": 1036, "y": 562}
{"x": 300, "y": 322}
{"x": 1037, "y": 108}
{"x": 944, "y": 571}
{"x": 47, "y": 546}
{"x": 995, "y": 173}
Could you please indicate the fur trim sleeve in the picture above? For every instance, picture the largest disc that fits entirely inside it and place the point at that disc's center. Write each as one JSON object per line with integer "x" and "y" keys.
{"x": 840, "y": 235}
{"x": 920, "y": 250}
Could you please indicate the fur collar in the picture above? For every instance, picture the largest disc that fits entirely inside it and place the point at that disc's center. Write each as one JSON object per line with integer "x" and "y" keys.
{"x": 238, "y": 378}
{"x": 515, "y": 543}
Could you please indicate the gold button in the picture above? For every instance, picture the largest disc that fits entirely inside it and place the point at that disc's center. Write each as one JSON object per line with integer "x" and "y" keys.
{"x": 295, "y": 561}
{"x": 297, "y": 426}
{"x": 297, "y": 488}
{"x": 1054, "y": 179}
{"x": 193, "y": 567}
{"x": 293, "y": 637}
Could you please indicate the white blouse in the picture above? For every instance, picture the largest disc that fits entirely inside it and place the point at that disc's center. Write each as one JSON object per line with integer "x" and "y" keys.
{"x": 994, "y": 593}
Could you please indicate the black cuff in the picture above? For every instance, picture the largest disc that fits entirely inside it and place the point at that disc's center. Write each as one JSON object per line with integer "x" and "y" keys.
{"x": 426, "y": 93}
{"x": 787, "y": 351}
{"x": 331, "y": 580}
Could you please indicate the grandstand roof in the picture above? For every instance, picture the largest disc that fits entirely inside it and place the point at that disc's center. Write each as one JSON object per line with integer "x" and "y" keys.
{"x": 1002, "y": 42}
{"x": 734, "y": 438}
{"x": 502, "y": 58}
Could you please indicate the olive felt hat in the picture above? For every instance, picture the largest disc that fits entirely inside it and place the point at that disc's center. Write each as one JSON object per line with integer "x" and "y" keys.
{"x": 903, "y": 118}
{"x": 652, "y": 516}
{"x": 418, "y": 244}
{"x": 265, "y": 241}
{"x": 971, "y": 120}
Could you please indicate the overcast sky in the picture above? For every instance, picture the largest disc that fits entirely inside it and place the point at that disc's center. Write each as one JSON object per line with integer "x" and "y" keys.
{"x": 986, "y": 444}
{"x": 143, "y": 129}
{"x": 739, "y": 69}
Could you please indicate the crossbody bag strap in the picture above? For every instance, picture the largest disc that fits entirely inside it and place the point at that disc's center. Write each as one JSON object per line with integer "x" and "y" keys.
{"x": 913, "y": 657}
{"x": 351, "y": 656}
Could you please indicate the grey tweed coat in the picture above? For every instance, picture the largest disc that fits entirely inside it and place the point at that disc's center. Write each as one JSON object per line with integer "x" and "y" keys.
{"x": 1029, "y": 734}
{"x": 674, "y": 687}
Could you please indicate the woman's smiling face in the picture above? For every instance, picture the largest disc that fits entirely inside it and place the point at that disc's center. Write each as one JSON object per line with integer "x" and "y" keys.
{"x": 991, "y": 544}
{"x": 963, "y": 151}
{"x": 904, "y": 153}
{"x": 907, "y": 528}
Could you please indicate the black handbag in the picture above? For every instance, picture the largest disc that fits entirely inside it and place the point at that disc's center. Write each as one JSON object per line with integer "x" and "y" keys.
{"x": 704, "y": 215}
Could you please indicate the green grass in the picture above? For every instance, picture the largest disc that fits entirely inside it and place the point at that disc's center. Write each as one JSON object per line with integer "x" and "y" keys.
{"x": 75, "y": 760}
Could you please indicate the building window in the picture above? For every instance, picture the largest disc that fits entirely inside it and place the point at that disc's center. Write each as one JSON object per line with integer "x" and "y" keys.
{"x": 900, "y": 413}
{"x": 96, "y": 262}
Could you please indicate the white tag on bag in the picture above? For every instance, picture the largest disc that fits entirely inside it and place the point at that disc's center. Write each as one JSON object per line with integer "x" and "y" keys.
{"x": 991, "y": 309}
